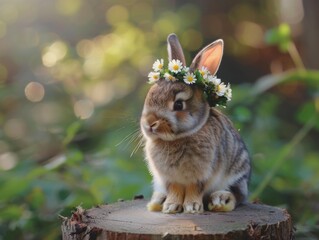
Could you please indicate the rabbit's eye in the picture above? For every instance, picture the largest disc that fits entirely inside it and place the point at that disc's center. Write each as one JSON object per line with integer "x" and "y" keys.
{"x": 178, "y": 105}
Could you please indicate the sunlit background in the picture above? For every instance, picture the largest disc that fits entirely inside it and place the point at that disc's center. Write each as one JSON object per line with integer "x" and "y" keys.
{"x": 73, "y": 80}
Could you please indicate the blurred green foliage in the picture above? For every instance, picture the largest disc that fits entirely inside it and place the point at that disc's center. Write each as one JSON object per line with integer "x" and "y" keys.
{"x": 72, "y": 85}
{"x": 280, "y": 36}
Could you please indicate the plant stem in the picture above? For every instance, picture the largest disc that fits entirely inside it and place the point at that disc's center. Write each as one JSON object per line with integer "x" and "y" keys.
{"x": 296, "y": 58}
{"x": 284, "y": 154}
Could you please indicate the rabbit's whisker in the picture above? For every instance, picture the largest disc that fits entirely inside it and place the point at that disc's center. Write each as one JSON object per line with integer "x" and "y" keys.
{"x": 129, "y": 137}
{"x": 138, "y": 145}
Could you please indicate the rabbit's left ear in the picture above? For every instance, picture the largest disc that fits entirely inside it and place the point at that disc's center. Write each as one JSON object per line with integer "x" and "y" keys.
{"x": 174, "y": 49}
{"x": 209, "y": 57}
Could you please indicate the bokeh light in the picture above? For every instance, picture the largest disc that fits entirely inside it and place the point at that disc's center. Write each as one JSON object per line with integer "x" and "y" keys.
{"x": 100, "y": 93}
{"x": 54, "y": 53}
{"x": 84, "y": 48}
{"x": 34, "y": 92}
{"x": 69, "y": 7}
{"x": 291, "y": 11}
{"x": 83, "y": 109}
{"x": 8, "y": 160}
{"x": 116, "y": 14}
{"x": 250, "y": 34}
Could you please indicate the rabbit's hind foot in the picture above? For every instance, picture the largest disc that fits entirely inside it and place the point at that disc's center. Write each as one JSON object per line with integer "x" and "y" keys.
{"x": 222, "y": 201}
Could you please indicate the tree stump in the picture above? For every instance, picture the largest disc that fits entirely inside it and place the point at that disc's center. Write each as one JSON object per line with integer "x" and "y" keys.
{"x": 131, "y": 220}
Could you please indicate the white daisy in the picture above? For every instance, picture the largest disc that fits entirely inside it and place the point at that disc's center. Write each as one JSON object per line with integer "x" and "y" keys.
{"x": 189, "y": 78}
{"x": 216, "y": 81}
{"x": 158, "y": 65}
{"x": 169, "y": 77}
{"x": 175, "y": 66}
{"x": 153, "y": 77}
{"x": 228, "y": 93}
{"x": 186, "y": 69}
{"x": 204, "y": 72}
{"x": 221, "y": 89}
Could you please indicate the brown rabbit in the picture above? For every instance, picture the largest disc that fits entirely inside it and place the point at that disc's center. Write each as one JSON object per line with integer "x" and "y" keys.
{"x": 193, "y": 152}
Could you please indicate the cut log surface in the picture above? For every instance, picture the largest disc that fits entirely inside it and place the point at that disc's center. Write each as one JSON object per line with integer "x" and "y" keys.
{"x": 131, "y": 220}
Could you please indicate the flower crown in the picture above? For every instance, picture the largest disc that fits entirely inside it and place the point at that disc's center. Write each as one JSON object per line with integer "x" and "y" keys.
{"x": 215, "y": 91}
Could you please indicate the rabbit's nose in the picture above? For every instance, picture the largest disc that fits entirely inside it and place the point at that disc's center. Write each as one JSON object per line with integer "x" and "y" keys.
{"x": 154, "y": 126}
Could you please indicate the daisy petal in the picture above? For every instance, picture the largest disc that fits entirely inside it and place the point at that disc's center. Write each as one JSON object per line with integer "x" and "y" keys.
{"x": 175, "y": 66}
{"x": 153, "y": 77}
{"x": 158, "y": 65}
{"x": 189, "y": 78}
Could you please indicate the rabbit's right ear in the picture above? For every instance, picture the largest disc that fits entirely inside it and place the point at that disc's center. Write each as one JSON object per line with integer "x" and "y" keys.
{"x": 174, "y": 49}
{"x": 210, "y": 57}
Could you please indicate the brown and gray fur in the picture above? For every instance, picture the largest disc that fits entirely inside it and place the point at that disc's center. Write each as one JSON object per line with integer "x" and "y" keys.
{"x": 195, "y": 155}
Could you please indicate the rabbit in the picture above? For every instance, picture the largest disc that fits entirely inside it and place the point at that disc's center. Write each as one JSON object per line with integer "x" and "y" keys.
{"x": 196, "y": 157}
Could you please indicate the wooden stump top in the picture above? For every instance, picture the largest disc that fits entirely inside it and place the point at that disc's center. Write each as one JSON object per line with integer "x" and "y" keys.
{"x": 131, "y": 220}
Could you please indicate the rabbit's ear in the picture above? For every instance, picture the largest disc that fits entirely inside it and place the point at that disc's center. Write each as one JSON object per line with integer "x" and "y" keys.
{"x": 174, "y": 49}
{"x": 209, "y": 57}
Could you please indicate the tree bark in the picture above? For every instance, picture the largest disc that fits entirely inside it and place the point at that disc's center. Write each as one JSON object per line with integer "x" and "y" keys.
{"x": 131, "y": 220}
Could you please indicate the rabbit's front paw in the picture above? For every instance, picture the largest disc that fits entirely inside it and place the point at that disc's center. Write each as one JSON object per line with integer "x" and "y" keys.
{"x": 154, "y": 207}
{"x": 193, "y": 207}
{"x": 222, "y": 201}
{"x": 172, "y": 207}
{"x": 156, "y": 203}
{"x": 174, "y": 199}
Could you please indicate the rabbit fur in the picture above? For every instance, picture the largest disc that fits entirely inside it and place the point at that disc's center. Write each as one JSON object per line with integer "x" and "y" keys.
{"x": 196, "y": 157}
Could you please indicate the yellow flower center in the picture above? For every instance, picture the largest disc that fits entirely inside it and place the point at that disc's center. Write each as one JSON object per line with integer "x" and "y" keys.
{"x": 175, "y": 67}
{"x": 190, "y": 78}
{"x": 155, "y": 77}
{"x": 160, "y": 66}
